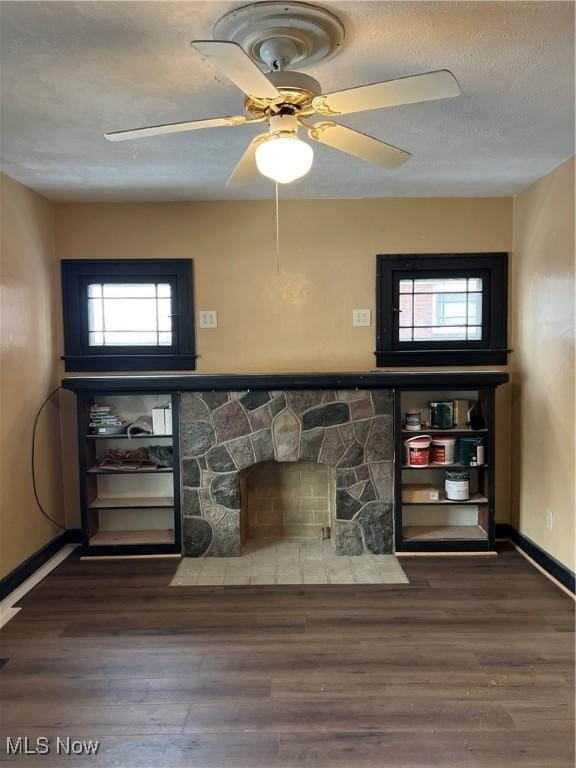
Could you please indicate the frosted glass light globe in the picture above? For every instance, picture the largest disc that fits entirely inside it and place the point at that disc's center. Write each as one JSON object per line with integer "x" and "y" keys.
{"x": 284, "y": 158}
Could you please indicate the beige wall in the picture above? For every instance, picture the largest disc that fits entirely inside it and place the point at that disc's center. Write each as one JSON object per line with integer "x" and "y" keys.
{"x": 543, "y": 362}
{"x": 28, "y": 373}
{"x": 292, "y": 311}
{"x": 300, "y": 317}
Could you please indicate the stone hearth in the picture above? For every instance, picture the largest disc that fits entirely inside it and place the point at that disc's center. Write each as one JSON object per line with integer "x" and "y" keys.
{"x": 223, "y": 433}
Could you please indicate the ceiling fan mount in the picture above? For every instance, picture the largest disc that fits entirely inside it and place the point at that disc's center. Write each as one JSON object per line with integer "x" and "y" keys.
{"x": 300, "y": 34}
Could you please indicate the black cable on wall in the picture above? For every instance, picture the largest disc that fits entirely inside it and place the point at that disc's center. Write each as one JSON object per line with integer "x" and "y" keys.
{"x": 34, "y": 485}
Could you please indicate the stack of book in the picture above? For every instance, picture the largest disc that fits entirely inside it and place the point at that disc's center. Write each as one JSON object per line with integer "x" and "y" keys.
{"x": 105, "y": 421}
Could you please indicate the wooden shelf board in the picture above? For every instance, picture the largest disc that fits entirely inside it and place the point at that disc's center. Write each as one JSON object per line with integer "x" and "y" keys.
{"x": 124, "y": 437}
{"x": 424, "y": 431}
{"x": 443, "y": 532}
{"x": 132, "y": 502}
{"x": 447, "y": 466}
{"x": 475, "y": 498}
{"x": 111, "y": 538}
{"x": 102, "y": 471}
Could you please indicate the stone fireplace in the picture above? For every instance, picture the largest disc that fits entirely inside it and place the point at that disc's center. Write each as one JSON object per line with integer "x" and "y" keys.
{"x": 222, "y": 434}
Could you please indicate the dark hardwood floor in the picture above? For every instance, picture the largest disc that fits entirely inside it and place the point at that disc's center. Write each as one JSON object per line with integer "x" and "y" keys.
{"x": 469, "y": 666}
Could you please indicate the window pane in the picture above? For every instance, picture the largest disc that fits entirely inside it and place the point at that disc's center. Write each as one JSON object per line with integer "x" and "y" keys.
{"x": 164, "y": 289}
{"x": 95, "y": 290}
{"x": 474, "y": 333}
{"x": 435, "y": 333}
{"x": 164, "y": 339}
{"x": 474, "y": 283}
{"x": 406, "y": 286}
{"x": 439, "y": 285}
{"x": 129, "y": 290}
{"x": 130, "y": 314}
{"x": 424, "y": 309}
{"x": 406, "y": 310}
{"x": 95, "y": 315}
{"x": 451, "y": 309}
{"x": 130, "y": 338}
{"x": 164, "y": 315}
{"x": 405, "y": 334}
{"x": 474, "y": 308}
{"x": 96, "y": 339}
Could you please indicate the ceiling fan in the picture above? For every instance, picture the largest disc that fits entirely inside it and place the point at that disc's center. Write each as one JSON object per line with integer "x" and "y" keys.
{"x": 280, "y": 35}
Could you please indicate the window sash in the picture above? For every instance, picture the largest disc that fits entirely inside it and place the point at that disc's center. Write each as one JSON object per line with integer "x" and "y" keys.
{"x": 447, "y": 272}
{"x": 127, "y": 349}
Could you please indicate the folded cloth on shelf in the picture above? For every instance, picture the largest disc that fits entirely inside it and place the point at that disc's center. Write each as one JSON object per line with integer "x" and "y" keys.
{"x": 142, "y": 426}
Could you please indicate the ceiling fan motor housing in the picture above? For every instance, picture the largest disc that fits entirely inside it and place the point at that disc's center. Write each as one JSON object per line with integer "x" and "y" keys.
{"x": 298, "y": 92}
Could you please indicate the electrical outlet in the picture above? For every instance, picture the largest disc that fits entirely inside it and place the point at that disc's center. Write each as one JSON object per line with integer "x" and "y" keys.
{"x": 208, "y": 318}
{"x": 549, "y": 519}
{"x": 361, "y": 317}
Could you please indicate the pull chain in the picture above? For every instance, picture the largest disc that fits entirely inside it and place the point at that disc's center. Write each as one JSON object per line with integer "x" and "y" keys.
{"x": 277, "y": 232}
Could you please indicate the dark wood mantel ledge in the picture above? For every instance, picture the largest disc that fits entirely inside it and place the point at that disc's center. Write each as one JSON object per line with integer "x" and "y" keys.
{"x": 279, "y": 381}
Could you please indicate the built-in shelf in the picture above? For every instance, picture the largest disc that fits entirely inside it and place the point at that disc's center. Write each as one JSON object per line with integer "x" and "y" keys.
{"x": 104, "y": 471}
{"x": 444, "y": 532}
{"x": 475, "y": 498}
{"x": 427, "y": 431}
{"x": 447, "y": 466}
{"x": 121, "y": 538}
{"x": 132, "y": 502}
{"x": 125, "y": 437}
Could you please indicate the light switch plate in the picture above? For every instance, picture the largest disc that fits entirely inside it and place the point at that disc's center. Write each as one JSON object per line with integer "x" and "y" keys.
{"x": 208, "y": 318}
{"x": 361, "y": 317}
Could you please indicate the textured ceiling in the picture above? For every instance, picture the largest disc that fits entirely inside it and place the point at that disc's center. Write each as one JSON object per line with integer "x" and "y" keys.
{"x": 72, "y": 71}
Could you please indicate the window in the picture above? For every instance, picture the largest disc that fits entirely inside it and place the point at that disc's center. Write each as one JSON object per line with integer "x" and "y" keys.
{"x": 128, "y": 315}
{"x": 441, "y": 310}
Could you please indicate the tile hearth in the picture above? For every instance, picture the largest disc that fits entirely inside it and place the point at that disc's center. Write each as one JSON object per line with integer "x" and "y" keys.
{"x": 305, "y": 561}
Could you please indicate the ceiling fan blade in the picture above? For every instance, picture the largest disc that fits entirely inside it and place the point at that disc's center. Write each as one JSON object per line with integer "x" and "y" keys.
{"x": 358, "y": 144}
{"x": 160, "y": 130}
{"x": 392, "y": 93}
{"x": 234, "y": 62}
{"x": 246, "y": 171}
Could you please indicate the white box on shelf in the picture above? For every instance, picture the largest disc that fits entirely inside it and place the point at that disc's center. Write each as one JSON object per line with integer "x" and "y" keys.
{"x": 158, "y": 421}
{"x": 168, "y": 420}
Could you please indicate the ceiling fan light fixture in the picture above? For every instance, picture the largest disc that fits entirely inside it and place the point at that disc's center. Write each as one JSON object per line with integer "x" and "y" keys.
{"x": 283, "y": 157}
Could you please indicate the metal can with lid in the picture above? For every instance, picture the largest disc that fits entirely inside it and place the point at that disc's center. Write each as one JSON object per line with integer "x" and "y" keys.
{"x": 457, "y": 486}
{"x": 413, "y": 420}
{"x": 442, "y": 414}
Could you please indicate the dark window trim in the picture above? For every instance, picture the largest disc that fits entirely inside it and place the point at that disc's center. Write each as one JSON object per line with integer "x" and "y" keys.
{"x": 492, "y": 350}
{"x": 79, "y": 356}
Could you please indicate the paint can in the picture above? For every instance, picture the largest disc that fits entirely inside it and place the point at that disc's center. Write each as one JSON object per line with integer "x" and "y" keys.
{"x": 471, "y": 451}
{"x": 418, "y": 451}
{"x": 443, "y": 450}
{"x": 457, "y": 486}
{"x": 442, "y": 414}
{"x": 413, "y": 420}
